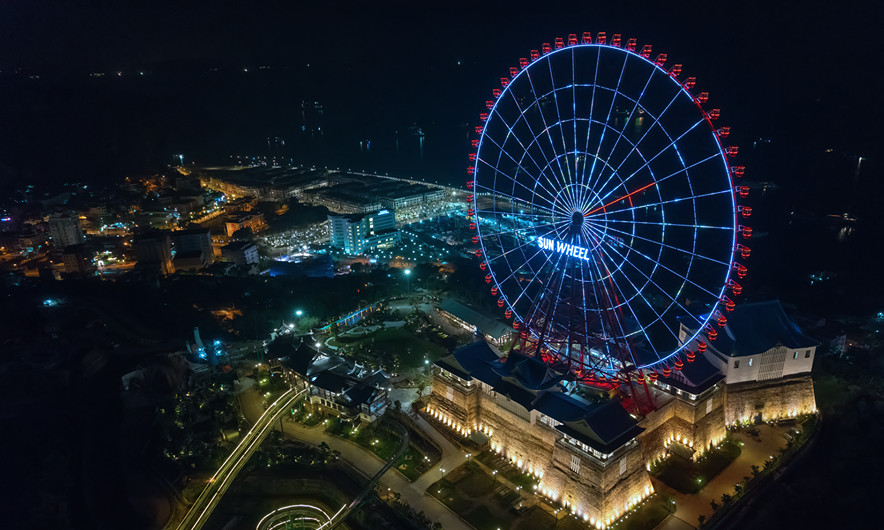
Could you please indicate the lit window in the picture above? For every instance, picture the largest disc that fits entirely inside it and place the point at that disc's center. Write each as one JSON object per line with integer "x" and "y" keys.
{"x": 623, "y": 466}
{"x": 736, "y": 364}
{"x": 575, "y": 464}
{"x": 750, "y": 361}
{"x": 795, "y": 355}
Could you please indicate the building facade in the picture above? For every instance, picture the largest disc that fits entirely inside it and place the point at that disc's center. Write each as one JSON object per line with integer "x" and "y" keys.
{"x": 354, "y": 234}
{"x": 65, "y": 230}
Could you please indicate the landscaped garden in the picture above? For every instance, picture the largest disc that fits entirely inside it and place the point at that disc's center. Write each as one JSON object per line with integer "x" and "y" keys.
{"x": 381, "y": 441}
{"x": 648, "y": 514}
{"x": 476, "y": 496}
{"x": 689, "y": 476}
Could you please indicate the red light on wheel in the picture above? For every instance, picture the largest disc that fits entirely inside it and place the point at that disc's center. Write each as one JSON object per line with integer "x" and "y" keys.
{"x": 470, "y": 212}
{"x": 711, "y": 334}
{"x": 471, "y": 170}
{"x": 474, "y": 143}
{"x": 488, "y": 278}
{"x": 738, "y": 171}
{"x": 500, "y": 302}
{"x": 516, "y": 324}
{"x": 472, "y": 226}
{"x": 646, "y": 51}
{"x": 690, "y": 82}
{"x": 678, "y": 364}
{"x": 508, "y": 314}
{"x": 483, "y": 265}
{"x": 722, "y": 321}
{"x": 667, "y": 371}
{"x": 504, "y": 81}
{"x": 661, "y": 59}
{"x": 513, "y": 71}
{"x": 495, "y": 92}
{"x": 494, "y": 291}
{"x": 615, "y": 40}
{"x": 691, "y": 356}
{"x": 478, "y": 129}
{"x": 560, "y": 43}
{"x": 475, "y": 240}
{"x": 472, "y": 157}
{"x": 653, "y": 376}
{"x": 572, "y": 39}
{"x": 489, "y": 104}
{"x": 733, "y": 150}
{"x": 675, "y": 71}
{"x": 535, "y": 54}
{"x": 743, "y": 191}
{"x": 545, "y": 48}
{"x": 483, "y": 117}
{"x": 724, "y": 132}
{"x": 587, "y": 37}
{"x": 747, "y": 231}
{"x": 701, "y": 346}
{"x": 703, "y": 97}
{"x": 478, "y": 252}
{"x": 523, "y": 62}
{"x": 631, "y": 44}
{"x": 601, "y": 38}
{"x": 714, "y": 114}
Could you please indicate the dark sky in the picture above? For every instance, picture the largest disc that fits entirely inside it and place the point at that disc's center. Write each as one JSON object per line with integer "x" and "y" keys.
{"x": 806, "y": 72}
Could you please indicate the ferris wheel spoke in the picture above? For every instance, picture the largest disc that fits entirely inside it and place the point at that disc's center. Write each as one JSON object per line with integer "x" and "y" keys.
{"x": 562, "y": 183}
{"x": 664, "y": 224}
{"x": 657, "y": 263}
{"x": 626, "y": 300}
{"x": 550, "y": 195}
{"x": 505, "y": 253}
{"x": 639, "y": 291}
{"x": 513, "y": 199}
{"x": 524, "y": 229}
{"x": 565, "y": 175}
{"x": 595, "y": 78}
{"x": 662, "y": 203}
{"x": 656, "y": 123}
{"x": 598, "y": 150}
{"x": 670, "y": 247}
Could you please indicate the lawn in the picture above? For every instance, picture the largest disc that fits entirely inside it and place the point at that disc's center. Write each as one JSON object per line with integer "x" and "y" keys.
{"x": 401, "y": 342}
{"x": 690, "y": 477}
{"x": 471, "y": 493}
{"x": 384, "y": 444}
{"x": 648, "y": 515}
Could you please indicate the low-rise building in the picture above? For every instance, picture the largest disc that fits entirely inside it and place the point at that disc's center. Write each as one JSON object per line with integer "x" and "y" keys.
{"x": 335, "y": 385}
{"x": 355, "y": 234}
{"x": 240, "y": 253}
{"x": 494, "y": 331}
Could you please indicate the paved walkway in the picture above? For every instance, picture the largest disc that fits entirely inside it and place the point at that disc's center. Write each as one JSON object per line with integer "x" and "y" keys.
{"x": 414, "y": 493}
{"x": 754, "y": 451}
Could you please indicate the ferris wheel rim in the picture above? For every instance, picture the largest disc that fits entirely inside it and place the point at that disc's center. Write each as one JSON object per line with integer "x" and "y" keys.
{"x": 720, "y": 154}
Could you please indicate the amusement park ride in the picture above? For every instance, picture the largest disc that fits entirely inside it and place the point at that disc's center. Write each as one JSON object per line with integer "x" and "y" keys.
{"x": 605, "y": 212}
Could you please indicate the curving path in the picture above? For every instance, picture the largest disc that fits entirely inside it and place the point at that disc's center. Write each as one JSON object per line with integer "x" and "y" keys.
{"x": 202, "y": 508}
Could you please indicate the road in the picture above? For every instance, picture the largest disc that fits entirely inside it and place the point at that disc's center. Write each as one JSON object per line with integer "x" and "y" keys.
{"x": 414, "y": 493}
{"x": 202, "y": 508}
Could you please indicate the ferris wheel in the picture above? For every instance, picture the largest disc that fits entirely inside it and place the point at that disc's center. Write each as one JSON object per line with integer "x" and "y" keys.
{"x": 605, "y": 208}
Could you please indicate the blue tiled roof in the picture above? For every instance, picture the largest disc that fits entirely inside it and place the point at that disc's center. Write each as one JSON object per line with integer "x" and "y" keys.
{"x": 484, "y": 324}
{"x": 694, "y": 377}
{"x": 754, "y": 328}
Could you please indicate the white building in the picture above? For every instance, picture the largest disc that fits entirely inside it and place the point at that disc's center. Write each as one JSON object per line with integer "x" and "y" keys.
{"x": 65, "y": 230}
{"x": 355, "y": 234}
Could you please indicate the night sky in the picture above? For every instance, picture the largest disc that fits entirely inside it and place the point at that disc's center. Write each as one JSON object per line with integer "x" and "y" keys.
{"x": 793, "y": 83}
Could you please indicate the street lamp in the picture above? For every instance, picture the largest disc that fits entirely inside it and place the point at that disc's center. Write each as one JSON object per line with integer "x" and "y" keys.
{"x": 408, "y": 278}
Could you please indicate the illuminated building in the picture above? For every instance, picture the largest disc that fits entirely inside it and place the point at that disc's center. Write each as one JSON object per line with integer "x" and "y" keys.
{"x": 77, "y": 260}
{"x": 494, "y": 331}
{"x": 355, "y": 234}
{"x": 65, "y": 230}
{"x": 335, "y": 385}
{"x": 766, "y": 362}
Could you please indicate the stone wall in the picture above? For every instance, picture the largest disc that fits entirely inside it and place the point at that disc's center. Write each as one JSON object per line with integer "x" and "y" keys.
{"x": 694, "y": 423}
{"x": 772, "y": 400}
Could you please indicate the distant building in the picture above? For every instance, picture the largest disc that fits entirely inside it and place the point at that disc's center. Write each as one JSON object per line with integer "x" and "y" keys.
{"x": 240, "y": 253}
{"x": 494, "y": 331}
{"x": 77, "y": 260}
{"x": 253, "y": 221}
{"x": 355, "y": 234}
{"x": 154, "y": 251}
{"x": 335, "y": 386}
{"x": 193, "y": 247}
{"x": 65, "y": 230}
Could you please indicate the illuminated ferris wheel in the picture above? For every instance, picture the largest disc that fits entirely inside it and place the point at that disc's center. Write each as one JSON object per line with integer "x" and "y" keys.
{"x": 605, "y": 210}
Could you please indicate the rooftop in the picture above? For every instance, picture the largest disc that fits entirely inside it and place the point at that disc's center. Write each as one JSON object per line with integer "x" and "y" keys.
{"x": 484, "y": 324}
{"x": 755, "y": 328}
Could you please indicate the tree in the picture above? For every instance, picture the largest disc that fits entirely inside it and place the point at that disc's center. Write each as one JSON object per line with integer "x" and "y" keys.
{"x": 701, "y": 519}
{"x": 397, "y": 406}
{"x": 755, "y": 470}
{"x": 714, "y": 505}
{"x": 725, "y": 498}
